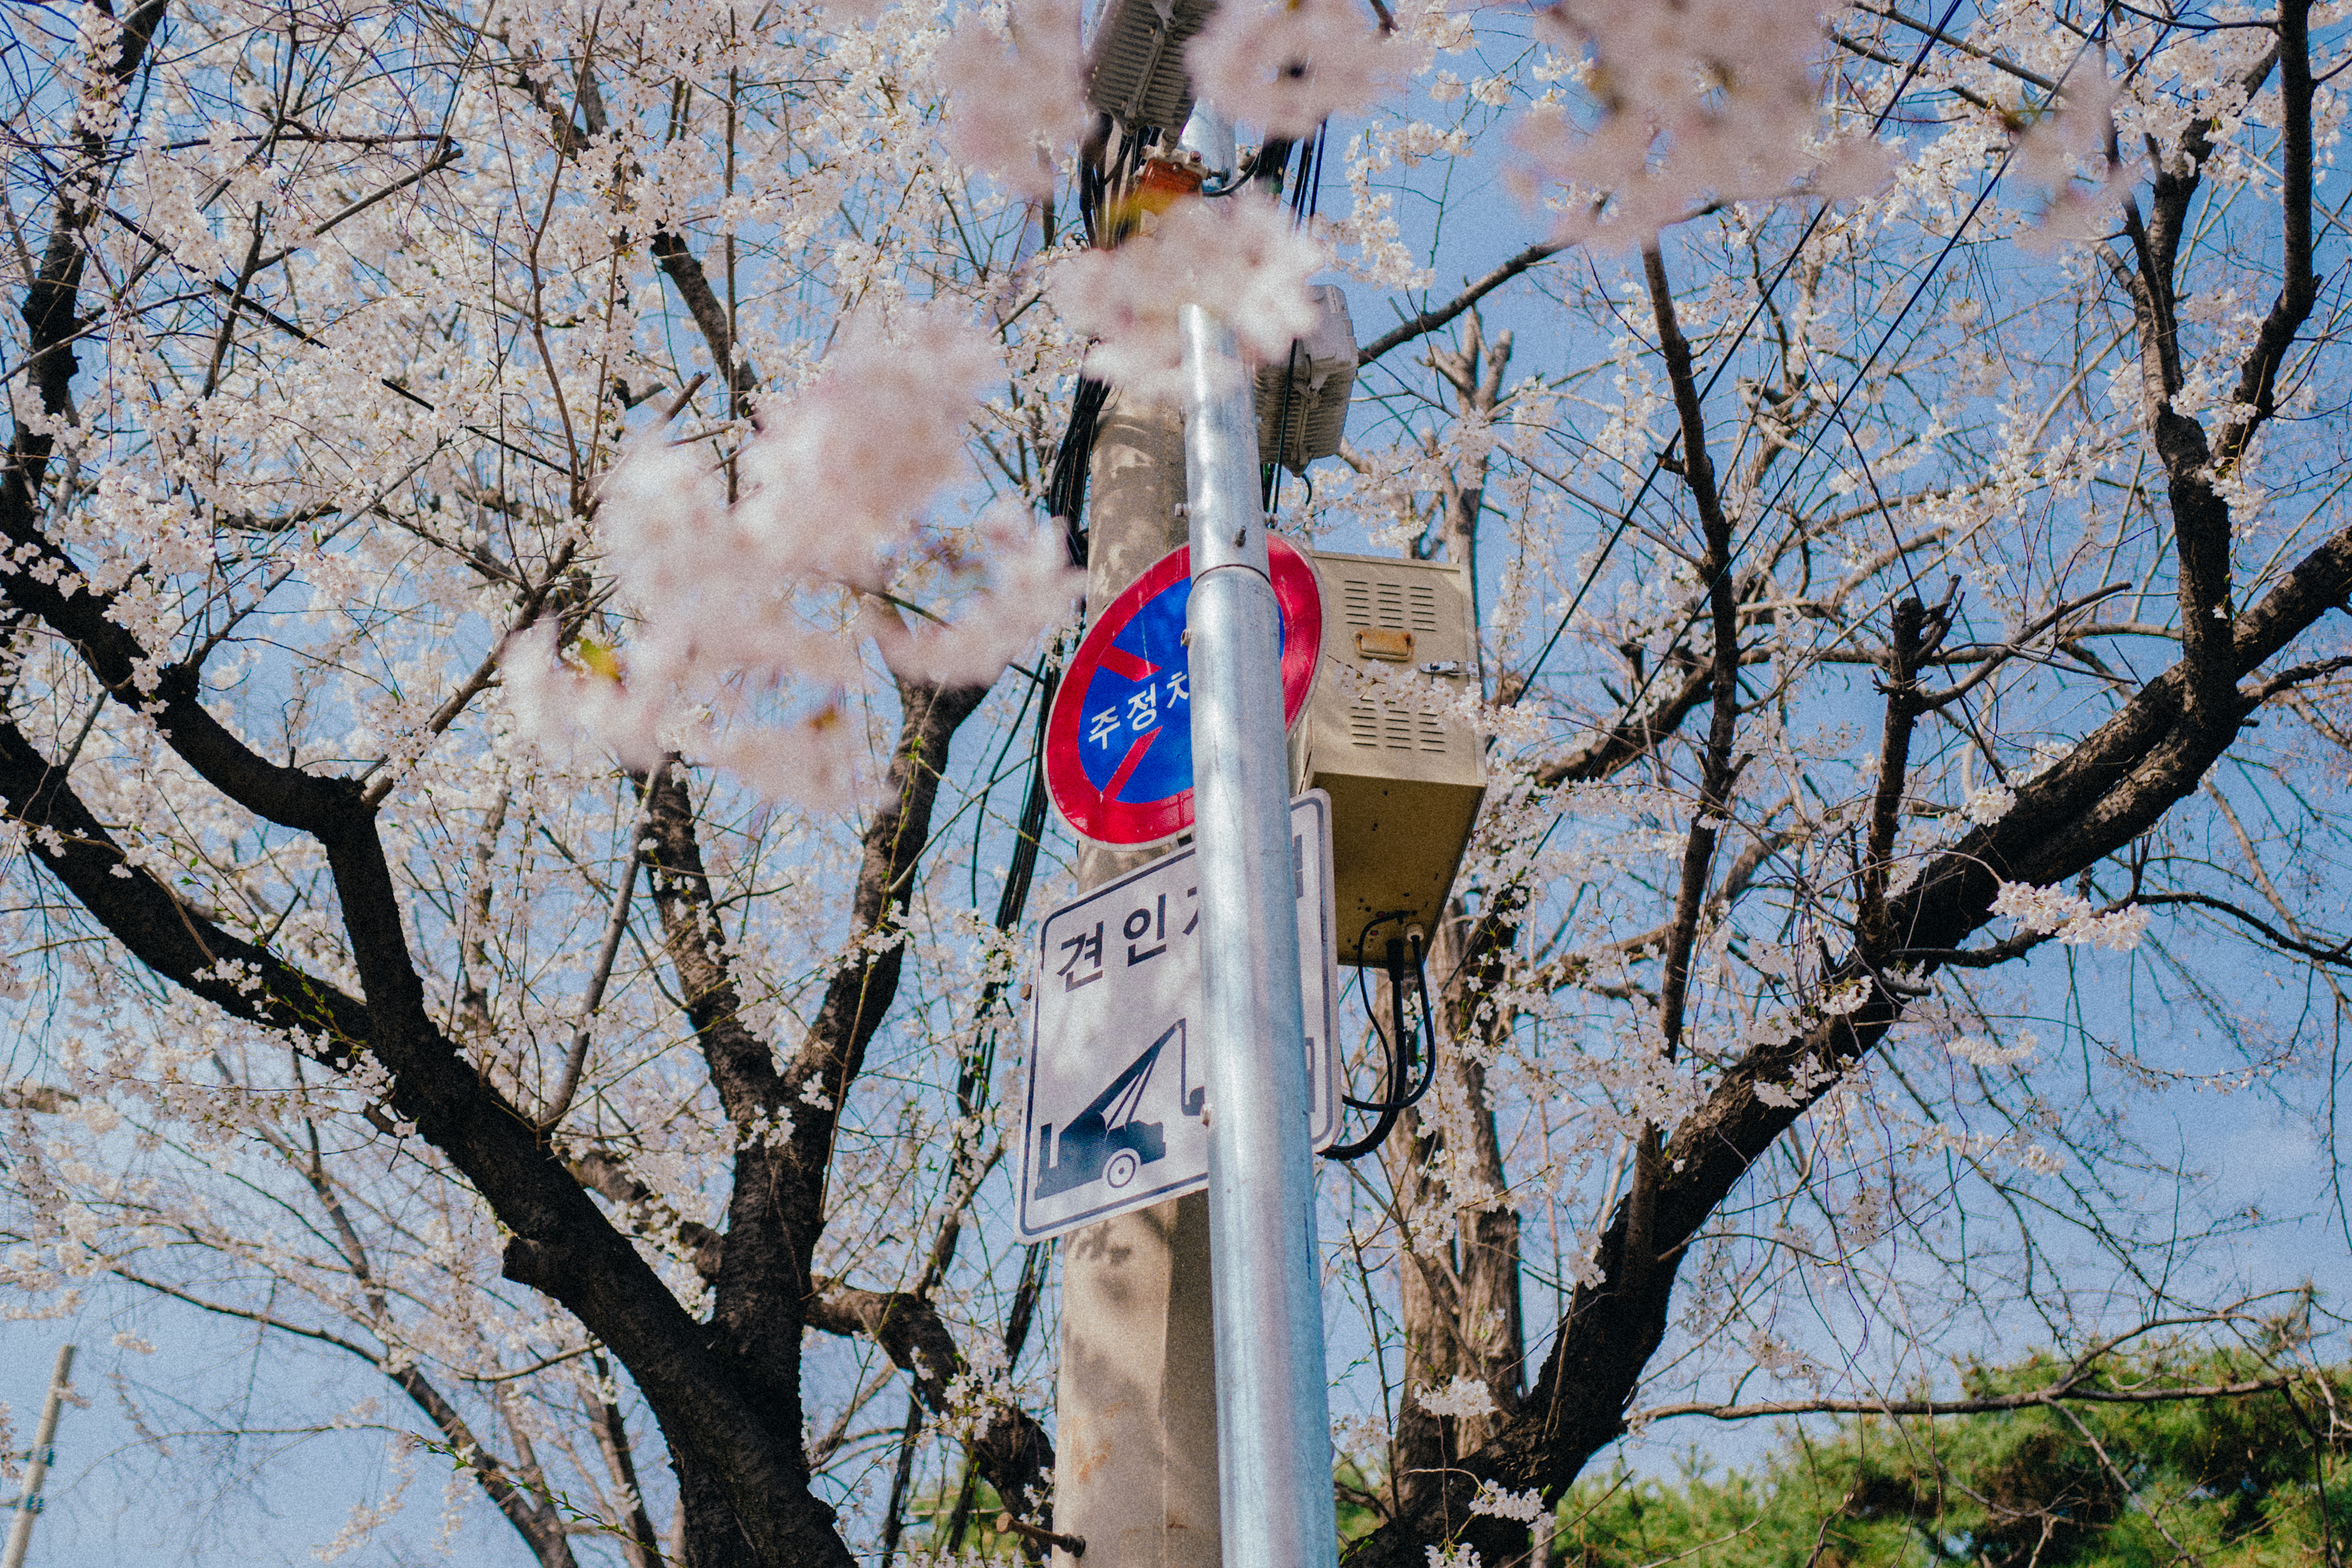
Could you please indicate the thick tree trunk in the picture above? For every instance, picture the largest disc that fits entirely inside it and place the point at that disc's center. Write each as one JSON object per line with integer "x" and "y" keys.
{"x": 2115, "y": 785}
{"x": 1459, "y": 1276}
{"x": 1459, "y": 1272}
{"x": 775, "y": 1213}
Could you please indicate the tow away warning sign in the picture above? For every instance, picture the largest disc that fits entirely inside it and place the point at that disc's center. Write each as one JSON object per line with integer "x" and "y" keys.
{"x": 1113, "y": 1120}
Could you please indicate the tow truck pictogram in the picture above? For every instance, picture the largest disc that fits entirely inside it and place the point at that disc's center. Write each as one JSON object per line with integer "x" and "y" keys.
{"x": 1105, "y": 1139}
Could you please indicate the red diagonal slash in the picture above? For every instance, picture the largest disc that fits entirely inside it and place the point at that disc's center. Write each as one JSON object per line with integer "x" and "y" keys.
{"x": 1125, "y": 665}
{"x": 1127, "y": 764}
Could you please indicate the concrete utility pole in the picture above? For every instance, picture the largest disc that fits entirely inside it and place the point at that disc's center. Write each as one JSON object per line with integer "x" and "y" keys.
{"x": 1135, "y": 1471}
{"x": 36, "y": 1467}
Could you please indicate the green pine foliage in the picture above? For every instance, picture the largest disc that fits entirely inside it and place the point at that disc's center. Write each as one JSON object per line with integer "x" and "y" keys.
{"x": 2251, "y": 1481}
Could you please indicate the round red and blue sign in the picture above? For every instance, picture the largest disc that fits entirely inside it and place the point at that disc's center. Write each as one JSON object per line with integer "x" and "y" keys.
{"x": 1118, "y": 744}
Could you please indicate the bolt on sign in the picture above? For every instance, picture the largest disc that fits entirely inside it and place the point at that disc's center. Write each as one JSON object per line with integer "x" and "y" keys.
{"x": 1117, "y": 1113}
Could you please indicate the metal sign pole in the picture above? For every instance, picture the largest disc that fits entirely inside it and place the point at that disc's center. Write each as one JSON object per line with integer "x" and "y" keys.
{"x": 1273, "y": 1421}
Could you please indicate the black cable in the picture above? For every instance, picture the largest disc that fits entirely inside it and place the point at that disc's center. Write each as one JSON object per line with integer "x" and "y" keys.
{"x": 1270, "y": 479}
{"x": 1065, "y": 490}
{"x": 1303, "y": 197}
{"x": 1836, "y": 409}
{"x": 992, "y": 777}
{"x": 1271, "y": 161}
{"x": 1391, "y": 1047}
{"x": 1065, "y": 495}
{"x": 1791, "y": 470}
{"x": 1090, "y": 194}
{"x": 1308, "y": 194}
{"x": 1315, "y": 189}
{"x": 1022, "y": 868}
{"x": 1402, "y": 1050}
{"x": 1399, "y": 1044}
{"x": 1248, "y": 167}
{"x": 1012, "y": 903}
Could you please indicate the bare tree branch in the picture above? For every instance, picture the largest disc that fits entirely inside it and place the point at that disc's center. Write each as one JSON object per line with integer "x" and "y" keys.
{"x": 2039, "y": 1397}
{"x": 1430, "y": 320}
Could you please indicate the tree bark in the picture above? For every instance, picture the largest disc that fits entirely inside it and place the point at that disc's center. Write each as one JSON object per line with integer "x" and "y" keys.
{"x": 726, "y": 1394}
{"x": 775, "y": 1213}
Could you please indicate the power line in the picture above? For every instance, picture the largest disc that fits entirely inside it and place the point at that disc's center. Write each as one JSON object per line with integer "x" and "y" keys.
{"x": 1837, "y": 408}
{"x": 1763, "y": 298}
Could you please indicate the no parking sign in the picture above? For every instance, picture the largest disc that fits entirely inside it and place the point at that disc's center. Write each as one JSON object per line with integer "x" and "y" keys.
{"x": 1118, "y": 745}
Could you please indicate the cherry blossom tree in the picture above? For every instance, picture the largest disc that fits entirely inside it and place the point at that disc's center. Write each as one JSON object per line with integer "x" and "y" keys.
{"x": 532, "y": 568}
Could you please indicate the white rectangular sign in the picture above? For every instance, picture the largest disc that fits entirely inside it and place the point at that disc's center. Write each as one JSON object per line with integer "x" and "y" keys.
{"x": 1114, "y": 1117}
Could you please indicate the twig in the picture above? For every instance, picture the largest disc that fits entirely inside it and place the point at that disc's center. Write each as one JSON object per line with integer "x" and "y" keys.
{"x": 1430, "y": 320}
{"x": 1075, "y": 1545}
{"x": 576, "y": 1058}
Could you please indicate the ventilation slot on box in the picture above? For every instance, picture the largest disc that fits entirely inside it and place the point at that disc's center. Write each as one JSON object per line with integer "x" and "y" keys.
{"x": 1388, "y": 605}
{"x": 1380, "y": 724}
{"x": 1424, "y": 607}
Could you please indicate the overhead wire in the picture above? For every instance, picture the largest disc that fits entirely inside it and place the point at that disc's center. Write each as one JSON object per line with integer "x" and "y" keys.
{"x": 1755, "y": 313}
{"x": 1065, "y": 498}
{"x": 1067, "y": 495}
{"x": 1633, "y": 700}
{"x": 1837, "y": 407}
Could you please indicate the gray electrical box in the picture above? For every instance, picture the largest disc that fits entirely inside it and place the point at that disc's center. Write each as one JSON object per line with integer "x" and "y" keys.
{"x": 1405, "y": 776}
{"x": 1135, "y": 61}
{"x": 1320, "y": 373}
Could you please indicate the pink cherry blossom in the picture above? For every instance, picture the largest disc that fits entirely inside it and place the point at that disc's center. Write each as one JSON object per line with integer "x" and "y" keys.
{"x": 752, "y": 613}
{"x": 2076, "y": 921}
{"x": 2068, "y": 141}
{"x": 1699, "y": 101}
{"x": 1010, "y": 109}
{"x": 1287, "y": 66}
{"x": 1031, "y": 586}
{"x": 1238, "y": 252}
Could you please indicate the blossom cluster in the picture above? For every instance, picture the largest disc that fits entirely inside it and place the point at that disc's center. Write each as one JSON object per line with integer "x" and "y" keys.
{"x": 1287, "y": 66}
{"x": 1463, "y": 1397}
{"x": 1978, "y": 1051}
{"x": 1011, "y": 107}
{"x": 2074, "y": 919}
{"x": 740, "y": 599}
{"x": 2072, "y": 138}
{"x": 1698, "y": 100}
{"x": 1241, "y": 252}
{"x": 1526, "y": 1507}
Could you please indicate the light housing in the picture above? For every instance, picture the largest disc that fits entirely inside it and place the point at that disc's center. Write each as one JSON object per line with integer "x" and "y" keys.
{"x": 1135, "y": 63}
{"x": 1321, "y": 373}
